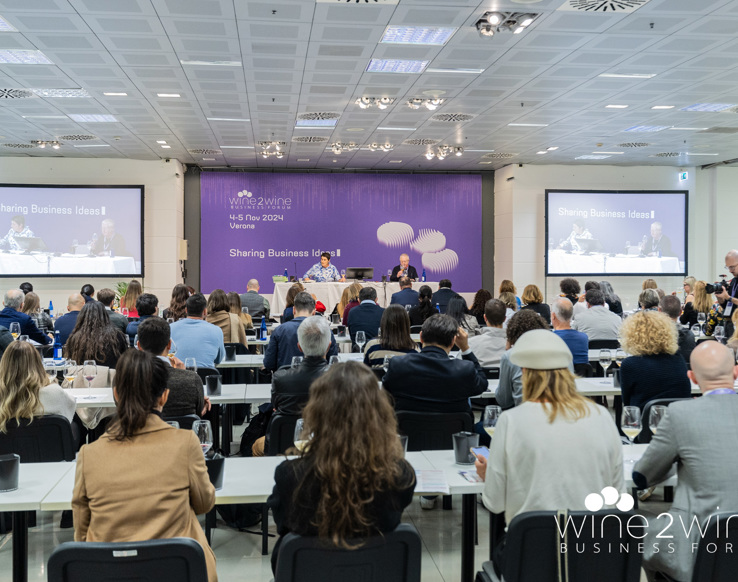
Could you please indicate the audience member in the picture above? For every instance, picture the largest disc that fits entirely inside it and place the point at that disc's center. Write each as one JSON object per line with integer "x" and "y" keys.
{"x": 13, "y": 302}
{"x": 576, "y": 341}
{"x": 570, "y": 289}
{"x": 95, "y": 338}
{"x": 444, "y": 294}
{"x": 598, "y": 322}
{"x": 653, "y": 368}
{"x": 234, "y": 301}
{"x": 457, "y": 310}
{"x": 394, "y": 339}
{"x": 733, "y": 340}
{"x": 581, "y": 305}
{"x": 176, "y": 309}
{"x": 354, "y": 290}
{"x": 671, "y": 306}
{"x": 106, "y": 297}
{"x": 511, "y": 306}
{"x": 336, "y": 496}
{"x": 282, "y": 345}
{"x": 648, "y": 300}
{"x": 185, "y": 386}
{"x": 406, "y": 295}
{"x": 533, "y": 299}
{"x": 65, "y": 324}
{"x": 129, "y": 299}
{"x": 257, "y": 304}
{"x": 611, "y": 298}
{"x": 288, "y": 314}
{"x": 424, "y": 309}
{"x": 507, "y": 286}
{"x": 195, "y": 337}
{"x": 698, "y": 437}
{"x": 554, "y": 449}
{"x": 87, "y": 291}
{"x": 649, "y": 284}
{"x": 489, "y": 346}
{"x": 367, "y": 316}
{"x": 727, "y": 299}
{"x": 120, "y": 497}
{"x": 147, "y": 305}
{"x": 26, "y": 287}
{"x": 698, "y": 302}
{"x": 477, "y": 309}
{"x": 219, "y": 313}
{"x": 32, "y": 307}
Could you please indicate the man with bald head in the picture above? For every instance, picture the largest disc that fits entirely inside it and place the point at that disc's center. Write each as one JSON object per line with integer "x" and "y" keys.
{"x": 257, "y": 304}
{"x": 13, "y": 302}
{"x": 699, "y": 435}
{"x": 65, "y": 324}
{"x": 404, "y": 269}
{"x": 727, "y": 298}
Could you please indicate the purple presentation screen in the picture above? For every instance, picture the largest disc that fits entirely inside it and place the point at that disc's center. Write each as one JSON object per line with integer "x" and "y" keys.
{"x": 616, "y": 233}
{"x": 71, "y": 231}
{"x": 256, "y": 225}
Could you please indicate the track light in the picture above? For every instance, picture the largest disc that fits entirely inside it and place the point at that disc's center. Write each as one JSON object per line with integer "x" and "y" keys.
{"x": 493, "y": 22}
{"x": 429, "y": 155}
{"x": 429, "y": 104}
{"x": 494, "y": 18}
{"x": 380, "y": 102}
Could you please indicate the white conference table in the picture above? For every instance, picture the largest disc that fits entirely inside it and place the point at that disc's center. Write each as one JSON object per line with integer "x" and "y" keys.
{"x": 585, "y": 386}
{"x": 37, "y": 263}
{"x": 565, "y": 263}
{"x": 257, "y": 360}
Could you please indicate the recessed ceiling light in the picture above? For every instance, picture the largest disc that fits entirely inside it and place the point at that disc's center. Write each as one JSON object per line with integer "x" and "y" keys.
{"x": 628, "y": 75}
{"x": 688, "y": 128}
{"x": 395, "y": 129}
{"x": 425, "y": 35}
{"x": 160, "y": 141}
{"x": 553, "y": 148}
{"x": 44, "y": 116}
{"x": 527, "y": 124}
{"x": 23, "y": 57}
{"x": 708, "y": 107}
{"x": 61, "y": 92}
{"x": 484, "y": 162}
{"x": 461, "y": 71}
{"x": 166, "y": 147}
{"x": 395, "y": 161}
{"x": 212, "y": 63}
{"x": 693, "y": 154}
{"x": 226, "y": 119}
{"x": 303, "y": 159}
{"x": 208, "y": 159}
{"x": 93, "y": 145}
{"x": 396, "y": 66}
{"x": 542, "y": 152}
{"x": 316, "y": 123}
{"x": 92, "y": 118}
{"x": 646, "y": 128}
{"x": 5, "y": 26}
{"x": 355, "y": 129}
{"x": 663, "y": 107}
{"x": 591, "y": 157}
{"x": 116, "y": 94}
{"x": 168, "y": 95}
{"x": 616, "y": 106}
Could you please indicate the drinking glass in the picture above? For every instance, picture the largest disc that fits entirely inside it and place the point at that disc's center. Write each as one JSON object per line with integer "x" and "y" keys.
{"x": 489, "y": 421}
{"x": 124, "y": 311}
{"x": 408, "y": 308}
{"x": 343, "y": 273}
{"x": 89, "y": 371}
{"x": 701, "y": 319}
{"x": 245, "y": 310}
{"x": 173, "y": 423}
{"x": 655, "y": 416}
{"x": 385, "y": 363}
{"x": 631, "y": 424}
{"x": 22, "y": 338}
{"x": 296, "y": 361}
{"x": 379, "y": 332}
{"x": 335, "y": 319}
{"x": 15, "y": 329}
{"x": 50, "y": 369}
{"x": 172, "y": 348}
{"x": 696, "y": 330}
{"x": 333, "y": 360}
{"x": 619, "y": 356}
{"x": 170, "y": 320}
{"x": 70, "y": 371}
{"x": 135, "y": 341}
{"x": 605, "y": 361}
{"x": 389, "y": 274}
{"x": 301, "y": 439}
{"x": 204, "y": 433}
{"x": 190, "y": 364}
{"x": 719, "y": 333}
{"x": 360, "y": 340}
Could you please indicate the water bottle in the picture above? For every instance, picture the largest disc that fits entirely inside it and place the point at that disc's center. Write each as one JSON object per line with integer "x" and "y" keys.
{"x": 438, "y": 308}
{"x": 263, "y": 331}
{"x": 51, "y": 310}
{"x": 423, "y": 278}
{"x": 57, "y": 346}
{"x": 286, "y": 274}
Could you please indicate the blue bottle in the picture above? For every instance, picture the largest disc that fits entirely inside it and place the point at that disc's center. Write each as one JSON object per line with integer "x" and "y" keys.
{"x": 263, "y": 331}
{"x": 57, "y": 346}
{"x": 286, "y": 274}
{"x": 51, "y": 310}
{"x": 438, "y": 308}
{"x": 423, "y": 278}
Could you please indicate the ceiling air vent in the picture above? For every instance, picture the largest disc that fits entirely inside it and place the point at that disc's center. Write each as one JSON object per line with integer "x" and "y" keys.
{"x": 318, "y": 115}
{"x": 205, "y": 152}
{"x": 603, "y": 5}
{"x": 76, "y": 137}
{"x": 420, "y": 142}
{"x": 20, "y": 146}
{"x": 498, "y": 156}
{"x": 16, "y": 94}
{"x": 267, "y": 144}
{"x": 666, "y": 155}
{"x": 452, "y": 117}
{"x": 310, "y": 139}
{"x": 635, "y": 144}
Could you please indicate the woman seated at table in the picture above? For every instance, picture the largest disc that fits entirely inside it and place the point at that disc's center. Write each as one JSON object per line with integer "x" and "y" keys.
{"x": 555, "y": 448}
{"x": 394, "y": 338}
{"x": 424, "y": 309}
{"x": 219, "y": 313}
{"x": 32, "y": 307}
{"x": 234, "y": 300}
{"x": 95, "y": 338}
{"x": 699, "y": 301}
{"x": 336, "y": 493}
{"x": 176, "y": 309}
{"x": 477, "y": 309}
{"x": 25, "y": 389}
{"x": 323, "y": 271}
{"x": 143, "y": 479}
{"x": 533, "y": 299}
{"x": 128, "y": 301}
{"x": 458, "y": 310}
{"x": 288, "y": 312}
{"x": 654, "y": 369}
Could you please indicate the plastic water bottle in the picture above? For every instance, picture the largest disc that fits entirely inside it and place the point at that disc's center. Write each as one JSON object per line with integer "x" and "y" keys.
{"x": 438, "y": 308}
{"x": 423, "y": 278}
{"x": 263, "y": 331}
{"x": 51, "y": 310}
{"x": 286, "y": 274}
{"x": 57, "y": 346}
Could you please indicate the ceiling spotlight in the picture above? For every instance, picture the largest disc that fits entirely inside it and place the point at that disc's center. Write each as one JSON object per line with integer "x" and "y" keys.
{"x": 42, "y": 145}
{"x": 373, "y": 147}
{"x": 430, "y": 155}
{"x": 55, "y": 146}
{"x": 415, "y": 103}
{"x": 515, "y": 22}
{"x": 494, "y": 18}
{"x": 441, "y": 156}
{"x": 336, "y": 149}
{"x": 485, "y": 29}
{"x": 265, "y": 154}
{"x": 280, "y": 155}
{"x": 387, "y": 147}
{"x": 458, "y": 151}
{"x": 527, "y": 19}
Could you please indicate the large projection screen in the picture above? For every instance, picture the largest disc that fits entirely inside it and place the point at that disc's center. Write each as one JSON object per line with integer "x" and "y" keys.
{"x": 71, "y": 231}
{"x": 595, "y": 232}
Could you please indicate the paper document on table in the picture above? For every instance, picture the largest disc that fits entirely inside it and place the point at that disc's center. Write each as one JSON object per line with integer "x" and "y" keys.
{"x": 431, "y": 481}
{"x": 471, "y": 476}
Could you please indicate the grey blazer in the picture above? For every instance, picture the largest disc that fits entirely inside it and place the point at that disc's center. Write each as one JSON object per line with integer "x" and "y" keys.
{"x": 699, "y": 436}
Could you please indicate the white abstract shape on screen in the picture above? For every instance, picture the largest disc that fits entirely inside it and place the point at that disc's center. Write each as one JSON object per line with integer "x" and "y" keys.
{"x": 395, "y": 234}
{"x": 442, "y": 262}
{"x": 429, "y": 241}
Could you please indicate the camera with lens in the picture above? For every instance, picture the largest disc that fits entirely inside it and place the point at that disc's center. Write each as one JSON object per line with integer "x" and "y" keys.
{"x": 716, "y": 287}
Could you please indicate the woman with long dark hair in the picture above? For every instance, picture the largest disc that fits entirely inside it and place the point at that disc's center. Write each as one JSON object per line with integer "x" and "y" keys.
{"x": 457, "y": 310}
{"x": 611, "y": 298}
{"x": 477, "y": 308}
{"x": 128, "y": 301}
{"x": 143, "y": 479}
{"x": 394, "y": 339}
{"x": 176, "y": 309}
{"x": 424, "y": 309}
{"x": 341, "y": 495}
{"x": 95, "y": 338}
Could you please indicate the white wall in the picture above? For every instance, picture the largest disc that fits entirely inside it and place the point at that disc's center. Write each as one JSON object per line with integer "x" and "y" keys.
{"x": 163, "y": 216}
{"x": 520, "y": 228}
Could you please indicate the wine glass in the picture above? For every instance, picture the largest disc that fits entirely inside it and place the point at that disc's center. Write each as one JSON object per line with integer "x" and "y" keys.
{"x": 301, "y": 439}
{"x": 696, "y": 330}
{"x": 385, "y": 363}
{"x": 605, "y": 361}
{"x": 631, "y": 424}
{"x": 408, "y": 308}
{"x": 333, "y": 360}
{"x": 124, "y": 311}
{"x": 719, "y": 333}
{"x": 190, "y": 364}
{"x": 70, "y": 371}
{"x": 296, "y": 361}
{"x": 489, "y": 421}
{"x": 343, "y": 273}
{"x": 172, "y": 348}
{"x": 172, "y": 423}
{"x": 619, "y": 356}
{"x": 50, "y": 369}
{"x": 379, "y": 333}
{"x": 245, "y": 310}
{"x": 89, "y": 371}
{"x": 15, "y": 329}
{"x": 655, "y": 417}
{"x": 170, "y": 320}
{"x": 204, "y": 433}
{"x": 701, "y": 319}
{"x": 360, "y": 340}
{"x": 23, "y": 338}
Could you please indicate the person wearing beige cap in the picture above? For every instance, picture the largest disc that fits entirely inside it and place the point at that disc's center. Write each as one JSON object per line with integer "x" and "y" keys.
{"x": 555, "y": 448}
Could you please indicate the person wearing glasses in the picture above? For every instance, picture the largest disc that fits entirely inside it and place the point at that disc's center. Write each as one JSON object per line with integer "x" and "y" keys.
{"x": 727, "y": 299}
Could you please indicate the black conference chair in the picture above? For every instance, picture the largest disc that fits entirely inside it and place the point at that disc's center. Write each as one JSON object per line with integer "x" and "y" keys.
{"x": 612, "y": 344}
{"x": 645, "y": 436}
{"x": 416, "y": 328}
{"x": 432, "y": 431}
{"x": 165, "y": 560}
{"x": 281, "y": 433}
{"x": 205, "y": 372}
{"x": 185, "y": 422}
{"x": 391, "y": 557}
{"x": 715, "y": 562}
{"x": 533, "y": 548}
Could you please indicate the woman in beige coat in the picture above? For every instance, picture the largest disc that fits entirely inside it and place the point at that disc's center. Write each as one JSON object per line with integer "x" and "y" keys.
{"x": 219, "y": 313}
{"x": 143, "y": 479}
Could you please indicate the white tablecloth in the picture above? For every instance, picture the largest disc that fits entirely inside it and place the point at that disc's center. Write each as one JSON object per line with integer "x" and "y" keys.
{"x": 562, "y": 263}
{"x": 66, "y": 264}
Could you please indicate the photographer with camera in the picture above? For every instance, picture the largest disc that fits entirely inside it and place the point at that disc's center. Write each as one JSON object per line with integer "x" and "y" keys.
{"x": 726, "y": 293}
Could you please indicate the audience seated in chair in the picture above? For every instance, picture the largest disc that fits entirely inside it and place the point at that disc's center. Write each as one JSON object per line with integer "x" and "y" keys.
{"x": 95, "y": 338}
{"x": 491, "y": 344}
{"x": 195, "y": 337}
{"x": 598, "y": 322}
{"x": 577, "y": 342}
{"x": 394, "y": 340}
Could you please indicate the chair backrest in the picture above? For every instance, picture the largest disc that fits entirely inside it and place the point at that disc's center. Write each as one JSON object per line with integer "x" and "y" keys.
{"x": 416, "y": 328}
{"x": 583, "y": 370}
{"x": 612, "y": 344}
{"x": 204, "y": 372}
{"x": 45, "y": 439}
{"x": 432, "y": 431}
{"x": 533, "y": 548}
{"x": 391, "y": 557}
{"x": 185, "y": 421}
{"x": 281, "y": 433}
{"x": 492, "y": 373}
{"x": 646, "y": 435}
{"x": 715, "y": 562}
{"x": 166, "y": 560}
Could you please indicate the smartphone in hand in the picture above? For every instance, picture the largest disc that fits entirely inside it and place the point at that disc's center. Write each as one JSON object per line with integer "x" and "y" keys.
{"x": 480, "y": 452}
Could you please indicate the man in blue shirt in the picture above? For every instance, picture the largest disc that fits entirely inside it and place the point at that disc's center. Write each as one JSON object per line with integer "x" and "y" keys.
{"x": 12, "y": 313}
{"x": 283, "y": 341}
{"x": 195, "y": 337}
{"x": 406, "y": 295}
{"x": 577, "y": 341}
{"x": 323, "y": 271}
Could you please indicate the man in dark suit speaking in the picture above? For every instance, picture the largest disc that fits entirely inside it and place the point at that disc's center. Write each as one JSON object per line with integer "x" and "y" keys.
{"x": 404, "y": 269}
{"x": 657, "y": 244}
{"x": 406, "y": 295}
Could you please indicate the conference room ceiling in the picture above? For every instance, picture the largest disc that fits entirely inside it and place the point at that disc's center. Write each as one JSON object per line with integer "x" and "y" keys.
{"x": 537, "y": 97}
